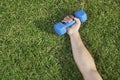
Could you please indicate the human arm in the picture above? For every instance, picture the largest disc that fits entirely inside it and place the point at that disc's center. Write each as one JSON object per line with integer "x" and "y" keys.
{"x": 81, "y": 55}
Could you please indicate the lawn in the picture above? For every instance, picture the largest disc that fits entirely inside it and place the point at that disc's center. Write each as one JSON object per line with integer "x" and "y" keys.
{"x": 30, "y": 49}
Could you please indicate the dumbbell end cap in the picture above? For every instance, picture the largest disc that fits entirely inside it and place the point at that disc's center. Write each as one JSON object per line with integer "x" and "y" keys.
{"x": 59, "y": 28}
{"x": 81, "y": 15}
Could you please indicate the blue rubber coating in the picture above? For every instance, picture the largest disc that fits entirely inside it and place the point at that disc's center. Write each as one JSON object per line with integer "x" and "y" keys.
{"x": 61, "y": 28}
{"x": 81, "y": 15}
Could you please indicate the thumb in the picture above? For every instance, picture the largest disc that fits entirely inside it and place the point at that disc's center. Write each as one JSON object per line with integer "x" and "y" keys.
{"x": 77, "y": 20}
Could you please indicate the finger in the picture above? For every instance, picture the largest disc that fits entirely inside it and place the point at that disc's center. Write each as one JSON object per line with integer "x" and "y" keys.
{"x": 71, "y": 16}
{"x": 64, "y": 21}
{"x": 67, "y": 19}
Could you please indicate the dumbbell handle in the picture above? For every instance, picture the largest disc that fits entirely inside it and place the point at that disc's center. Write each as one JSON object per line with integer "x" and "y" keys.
{"x": 68, "y": 24}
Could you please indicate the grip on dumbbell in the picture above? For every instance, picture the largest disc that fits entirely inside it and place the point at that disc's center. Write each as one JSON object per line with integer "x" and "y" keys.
{"x": 61, "y": 28}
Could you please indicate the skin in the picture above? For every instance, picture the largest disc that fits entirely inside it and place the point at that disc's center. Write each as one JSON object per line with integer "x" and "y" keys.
{"x": 81, "y": 55}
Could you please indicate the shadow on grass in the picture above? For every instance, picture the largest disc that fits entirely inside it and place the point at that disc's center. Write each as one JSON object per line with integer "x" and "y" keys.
{"x": 69, "y": 70}
{"x": 45, "y": 24}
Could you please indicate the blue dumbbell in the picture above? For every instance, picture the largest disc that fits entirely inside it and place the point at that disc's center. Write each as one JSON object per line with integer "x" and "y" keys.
{"x": 61, "y": 28}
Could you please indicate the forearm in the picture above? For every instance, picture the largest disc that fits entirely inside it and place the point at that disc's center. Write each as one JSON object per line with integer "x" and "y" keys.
{"x": 82, "y": 57}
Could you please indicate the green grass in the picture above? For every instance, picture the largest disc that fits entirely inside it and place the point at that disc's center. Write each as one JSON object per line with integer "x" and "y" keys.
{"x": 30, "y": 50}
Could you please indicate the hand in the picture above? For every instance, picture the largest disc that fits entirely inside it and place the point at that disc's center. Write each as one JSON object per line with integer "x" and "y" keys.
{"x": 74, "y": 28}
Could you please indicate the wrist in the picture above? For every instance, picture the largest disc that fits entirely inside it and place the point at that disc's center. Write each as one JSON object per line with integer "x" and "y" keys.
{"x": 74, "y": 34}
